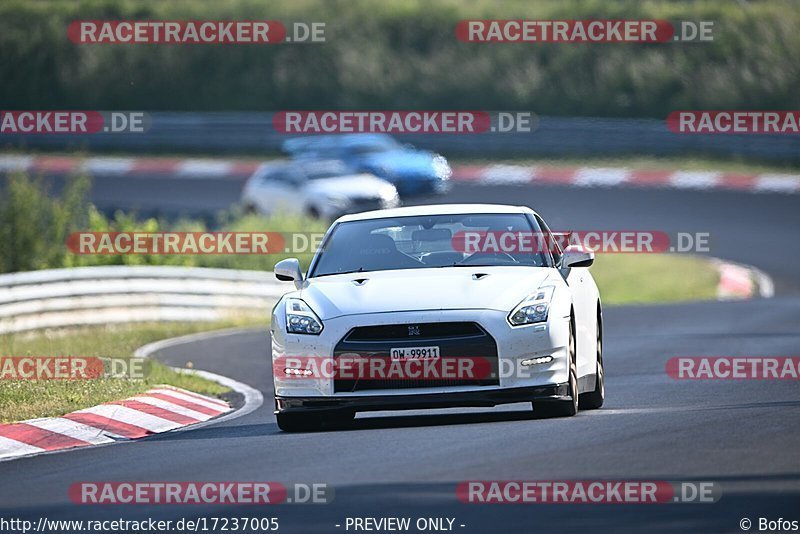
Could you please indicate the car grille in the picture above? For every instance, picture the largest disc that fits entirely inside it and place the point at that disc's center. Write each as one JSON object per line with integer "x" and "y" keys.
{"x": 401, "y": 332}
{"x": 454, "y": 339}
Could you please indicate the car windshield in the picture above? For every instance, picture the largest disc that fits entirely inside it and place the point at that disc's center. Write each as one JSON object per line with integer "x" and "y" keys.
{"x": 370, "y": 148}
{"x": 320, "y": 171}
{"x": 427, "y": 241}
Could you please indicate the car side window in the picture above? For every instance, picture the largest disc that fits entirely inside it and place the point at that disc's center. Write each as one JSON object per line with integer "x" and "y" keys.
{"x": 270, "y": 175}
{"x": 552, "y": 244}
{"x": 281, "y": 176}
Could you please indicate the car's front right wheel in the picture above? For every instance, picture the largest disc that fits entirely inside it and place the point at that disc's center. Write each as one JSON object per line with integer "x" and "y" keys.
{"x": 298, "y": 422}
{"x": 309, "y": 422}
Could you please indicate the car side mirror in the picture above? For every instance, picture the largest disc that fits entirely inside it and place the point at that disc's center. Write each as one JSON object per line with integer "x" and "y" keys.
{"x": 288, "y": 270}
{"x": 577, "y": 256}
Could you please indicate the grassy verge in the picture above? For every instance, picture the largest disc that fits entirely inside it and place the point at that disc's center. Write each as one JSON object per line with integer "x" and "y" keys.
{"x": 28, "y": 399}
{"x": 653, "y": 278}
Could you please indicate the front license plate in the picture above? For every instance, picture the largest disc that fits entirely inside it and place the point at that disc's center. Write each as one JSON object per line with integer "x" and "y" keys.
{"x": 415, "y": 353}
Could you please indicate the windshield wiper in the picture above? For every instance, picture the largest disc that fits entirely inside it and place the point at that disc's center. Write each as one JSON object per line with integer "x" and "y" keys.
{"x": 359, "y": 270}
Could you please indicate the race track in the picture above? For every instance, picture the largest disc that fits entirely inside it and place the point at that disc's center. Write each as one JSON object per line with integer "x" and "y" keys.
{"x": 743, "y": 435}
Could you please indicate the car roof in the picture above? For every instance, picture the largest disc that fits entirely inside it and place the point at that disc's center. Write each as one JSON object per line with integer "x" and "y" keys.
{"x": 312, "y": 165}
{"x": 435, "y": 209}
{"x": 305, "y": 165}
{"x": 328, "y": 142}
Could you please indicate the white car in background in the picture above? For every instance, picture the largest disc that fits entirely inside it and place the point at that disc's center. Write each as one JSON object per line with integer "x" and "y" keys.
{"x": 395, "y": 287}
{"x": 323, "y": 189}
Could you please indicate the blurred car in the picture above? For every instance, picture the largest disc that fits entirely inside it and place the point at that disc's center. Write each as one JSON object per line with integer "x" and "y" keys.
{"x": 324, "y": 189}
{"x": 412, "y": 171}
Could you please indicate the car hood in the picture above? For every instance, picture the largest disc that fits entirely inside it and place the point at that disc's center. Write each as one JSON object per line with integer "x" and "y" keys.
{"x": 405, "y": 161}
{"x": 449, "y": 288}
{"x": 354, "y": 186}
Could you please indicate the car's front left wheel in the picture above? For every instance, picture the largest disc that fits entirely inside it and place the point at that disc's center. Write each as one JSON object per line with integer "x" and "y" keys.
{"x": 592, "y": 400}
{"x": 566, "y": 407}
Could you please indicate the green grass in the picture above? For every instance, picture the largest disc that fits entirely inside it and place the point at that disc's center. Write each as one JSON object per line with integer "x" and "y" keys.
{"x": 28, "y": 399}
{"x": 653, "y": 278}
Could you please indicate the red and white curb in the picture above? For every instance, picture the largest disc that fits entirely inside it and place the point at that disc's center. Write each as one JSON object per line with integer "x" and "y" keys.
{"x": 624, "y": 177}
{"x": 158, "y": 410}
{"x": 737, "y": 282}
{"x": 161, "y": 409}
{"x": 480, "y": 175}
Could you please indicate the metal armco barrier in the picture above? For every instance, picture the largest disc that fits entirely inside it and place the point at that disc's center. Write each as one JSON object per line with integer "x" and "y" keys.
{"x": 121, "y": 294}
{"x": 228, "y": 132}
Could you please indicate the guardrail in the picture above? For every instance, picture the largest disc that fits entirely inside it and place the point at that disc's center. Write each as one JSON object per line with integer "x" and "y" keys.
{"x": 117, "y": 294}
{"x": 249, "y": 132}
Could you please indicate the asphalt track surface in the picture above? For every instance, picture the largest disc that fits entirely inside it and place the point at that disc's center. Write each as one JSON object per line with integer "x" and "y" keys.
{"x": 743, "y": 435}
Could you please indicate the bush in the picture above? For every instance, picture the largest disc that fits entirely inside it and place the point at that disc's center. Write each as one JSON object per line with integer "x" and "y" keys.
{"x": 34, "y": 227}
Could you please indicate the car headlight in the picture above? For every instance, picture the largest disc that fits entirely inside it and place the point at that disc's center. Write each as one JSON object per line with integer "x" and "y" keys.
{"x": 301, "y": 319}
{"x": 534, "y": 308}
{"x": 389, "y": 196}
{"x": 441, "y": 167}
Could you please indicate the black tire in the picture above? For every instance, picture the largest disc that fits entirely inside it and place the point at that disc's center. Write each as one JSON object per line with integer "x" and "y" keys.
{"x": 594, "y": 399}
{"x": 313, "y": 212}
{"x": 340, "y": 420}
{"x": 303, "y": 422}
{"x": 298, "y": 422}
{"x": 565, "y": 407}
{"x": 250, "y": 209}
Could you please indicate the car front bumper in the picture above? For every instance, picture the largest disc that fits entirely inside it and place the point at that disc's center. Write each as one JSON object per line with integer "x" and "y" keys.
{"x": 514, "y": 344}
{"x": 464, "y": 399}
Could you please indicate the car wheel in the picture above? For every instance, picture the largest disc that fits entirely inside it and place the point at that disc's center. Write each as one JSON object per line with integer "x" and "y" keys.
{"x": 250, "y": 209}
{"x": 340, "y": 420}
{"x": 594, "y": 399}
{"x": 313, "y": 212}
{"x": 298, "y": 422}
{"x": 563, "y": 407}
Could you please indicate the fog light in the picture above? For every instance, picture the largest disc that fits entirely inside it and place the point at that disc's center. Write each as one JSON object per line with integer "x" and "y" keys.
{"x": 298, "y": 372}
{"x": 536, "y": 361}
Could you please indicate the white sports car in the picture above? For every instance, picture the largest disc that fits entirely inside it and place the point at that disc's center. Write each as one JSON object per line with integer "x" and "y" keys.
{"x": 322, "y": 189}
{"x": 432, "y": 307}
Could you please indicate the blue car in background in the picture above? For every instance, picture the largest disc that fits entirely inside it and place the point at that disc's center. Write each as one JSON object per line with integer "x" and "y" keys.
{"x": 412, "y": 171}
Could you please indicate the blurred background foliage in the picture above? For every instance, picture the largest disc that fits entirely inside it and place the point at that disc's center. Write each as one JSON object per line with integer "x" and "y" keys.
{"x": 400, "y": 54}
